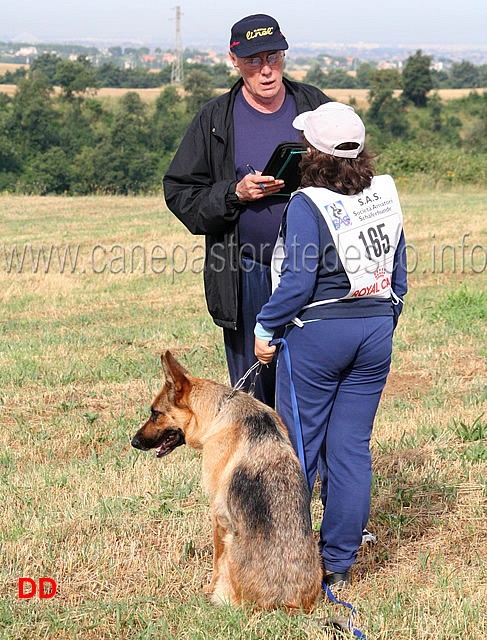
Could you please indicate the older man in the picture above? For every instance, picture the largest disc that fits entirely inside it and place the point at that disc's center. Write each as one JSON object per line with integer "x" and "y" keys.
{"x": 215, "y": 187}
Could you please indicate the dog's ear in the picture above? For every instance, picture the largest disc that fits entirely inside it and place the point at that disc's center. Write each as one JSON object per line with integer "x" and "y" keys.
{"x": 177, "y": 376}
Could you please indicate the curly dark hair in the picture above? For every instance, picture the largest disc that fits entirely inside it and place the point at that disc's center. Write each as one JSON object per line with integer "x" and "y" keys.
{"x": 346, "y": 175}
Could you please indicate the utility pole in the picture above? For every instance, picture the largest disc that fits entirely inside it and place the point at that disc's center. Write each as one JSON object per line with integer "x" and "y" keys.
{"x": 177, "y": 73}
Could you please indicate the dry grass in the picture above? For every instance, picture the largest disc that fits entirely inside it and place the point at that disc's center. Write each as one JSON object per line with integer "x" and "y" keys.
{"x": 342, "y": 95}
{"x": 9, "y": 66}
{"x": 127, "y": 537}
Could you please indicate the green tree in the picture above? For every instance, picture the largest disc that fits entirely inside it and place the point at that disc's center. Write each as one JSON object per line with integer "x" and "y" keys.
{"x": 464, "y": 75}
{"x": 109, "y": 75}
{"x": 198, "y": 86}
{"x": 362, "y": 75}
{"x": 440, "y": 79}
{"x": 34, "y": 123}
{"x": 94, "y": 112}
{"x": 74, "y": 76}
{"x": 121, "y": 161}
{"x": 10, "y": 161}
{"x": 168, "y": 124}
{"x": 339, "y": 79}
{"x": 220, "y": 74}
{"x": 483, "y": 75}
{"x": 165, "y": 74}
{"x": 385, "y": 118}
{"x": 435, "y": 108}
{"x": 115, "y": 51}
{"x": 316, "y": 77}
{"x": 48, "y": 172}
{"x": 46, "y": 63}
{"x": 385, "y": 79}
{"x": 13, "y": 77}
{"x": 140, "y": 78}
{"x": 441, "y": 128}
{"x": 85, "y": 61}
{"x": 75, "y": 130}
{"x": 475, "y": 135}
{"x": 416, "y": 78}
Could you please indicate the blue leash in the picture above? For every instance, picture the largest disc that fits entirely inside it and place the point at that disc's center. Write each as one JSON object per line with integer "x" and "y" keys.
{"x": 300, "y": 444}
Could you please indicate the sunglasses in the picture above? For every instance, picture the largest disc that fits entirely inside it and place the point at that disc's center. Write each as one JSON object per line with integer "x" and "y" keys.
{"x": 272, "y": 59}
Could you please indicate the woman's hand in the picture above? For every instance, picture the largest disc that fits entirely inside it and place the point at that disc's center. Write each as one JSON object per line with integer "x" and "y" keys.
{"x": 263, "y": 350}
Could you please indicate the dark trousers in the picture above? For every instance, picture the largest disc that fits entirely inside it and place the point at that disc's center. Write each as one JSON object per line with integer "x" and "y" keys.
{"x": 339, "y": 369}
{"x": 254, "y": 292}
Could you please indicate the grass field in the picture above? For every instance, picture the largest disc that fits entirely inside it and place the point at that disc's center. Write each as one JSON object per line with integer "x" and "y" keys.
{"x": 126, "y": 537}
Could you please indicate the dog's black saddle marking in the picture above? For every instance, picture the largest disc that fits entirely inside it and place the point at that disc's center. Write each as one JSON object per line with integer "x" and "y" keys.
{"x": 248, "y": 492}
{"x": 261, "y": 426}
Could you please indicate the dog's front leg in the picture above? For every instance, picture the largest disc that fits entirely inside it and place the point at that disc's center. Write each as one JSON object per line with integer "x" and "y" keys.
{"x": 219, "y": 533}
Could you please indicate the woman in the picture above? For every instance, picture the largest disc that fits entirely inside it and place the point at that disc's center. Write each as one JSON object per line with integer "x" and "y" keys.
{"x": 342, "y": 281}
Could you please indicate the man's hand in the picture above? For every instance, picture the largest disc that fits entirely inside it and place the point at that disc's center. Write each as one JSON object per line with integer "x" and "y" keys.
{"x": 263, "y": 350}
{"x": 249, "y": 189}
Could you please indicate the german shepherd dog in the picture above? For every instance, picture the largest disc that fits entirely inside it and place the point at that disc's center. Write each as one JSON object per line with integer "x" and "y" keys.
{"x": 264, "y": 550}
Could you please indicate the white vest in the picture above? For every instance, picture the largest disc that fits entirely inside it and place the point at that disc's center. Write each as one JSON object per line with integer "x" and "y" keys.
{"x": 365, "y": 229}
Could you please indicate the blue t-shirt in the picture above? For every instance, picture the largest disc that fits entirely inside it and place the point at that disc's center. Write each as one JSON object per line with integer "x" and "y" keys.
{"x": 256, "y": 136}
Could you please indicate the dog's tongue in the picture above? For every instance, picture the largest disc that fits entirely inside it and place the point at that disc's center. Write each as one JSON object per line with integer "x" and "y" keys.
{"x": 158, "y": 450}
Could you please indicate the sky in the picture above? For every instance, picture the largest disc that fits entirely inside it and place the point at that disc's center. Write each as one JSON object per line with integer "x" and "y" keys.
{"x": 209, "y": 21}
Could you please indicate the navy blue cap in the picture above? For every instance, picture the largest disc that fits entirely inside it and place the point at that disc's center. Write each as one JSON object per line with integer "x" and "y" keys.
{"x": 256, "y": 33}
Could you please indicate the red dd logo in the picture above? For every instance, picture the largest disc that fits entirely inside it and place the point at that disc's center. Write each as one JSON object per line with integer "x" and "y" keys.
{"x": 33, "y": 588}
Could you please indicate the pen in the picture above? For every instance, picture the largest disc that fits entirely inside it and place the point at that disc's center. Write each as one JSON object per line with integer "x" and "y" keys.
{"x": 252, "y": 171}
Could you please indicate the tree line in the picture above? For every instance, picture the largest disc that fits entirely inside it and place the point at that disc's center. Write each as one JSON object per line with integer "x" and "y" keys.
{"x": 75, "y": 143}
{"x": 83, "y": 74}
{"x": 460, "y": 75}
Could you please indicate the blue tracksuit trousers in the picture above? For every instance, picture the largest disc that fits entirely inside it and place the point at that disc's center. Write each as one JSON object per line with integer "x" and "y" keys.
{"x": 339, "y": 369}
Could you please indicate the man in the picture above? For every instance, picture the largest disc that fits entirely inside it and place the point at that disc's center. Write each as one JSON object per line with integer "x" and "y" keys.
{"x": 215, "y": 187}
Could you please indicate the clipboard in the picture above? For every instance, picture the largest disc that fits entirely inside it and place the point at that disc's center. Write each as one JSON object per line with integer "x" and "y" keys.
{"x": 284, "y": 165}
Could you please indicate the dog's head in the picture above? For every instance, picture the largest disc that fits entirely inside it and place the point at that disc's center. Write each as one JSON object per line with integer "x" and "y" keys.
{"x": 170, "y": 414}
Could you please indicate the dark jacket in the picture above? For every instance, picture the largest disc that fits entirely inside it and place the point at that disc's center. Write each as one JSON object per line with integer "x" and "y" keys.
{"x": 199, "y": 188}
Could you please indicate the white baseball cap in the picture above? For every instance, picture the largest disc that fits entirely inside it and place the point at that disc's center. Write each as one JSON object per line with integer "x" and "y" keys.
{"x": 331, "y": 125}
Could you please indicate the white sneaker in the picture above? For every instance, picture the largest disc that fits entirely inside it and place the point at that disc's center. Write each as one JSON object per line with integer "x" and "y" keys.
{"x": 368, "y": 537}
